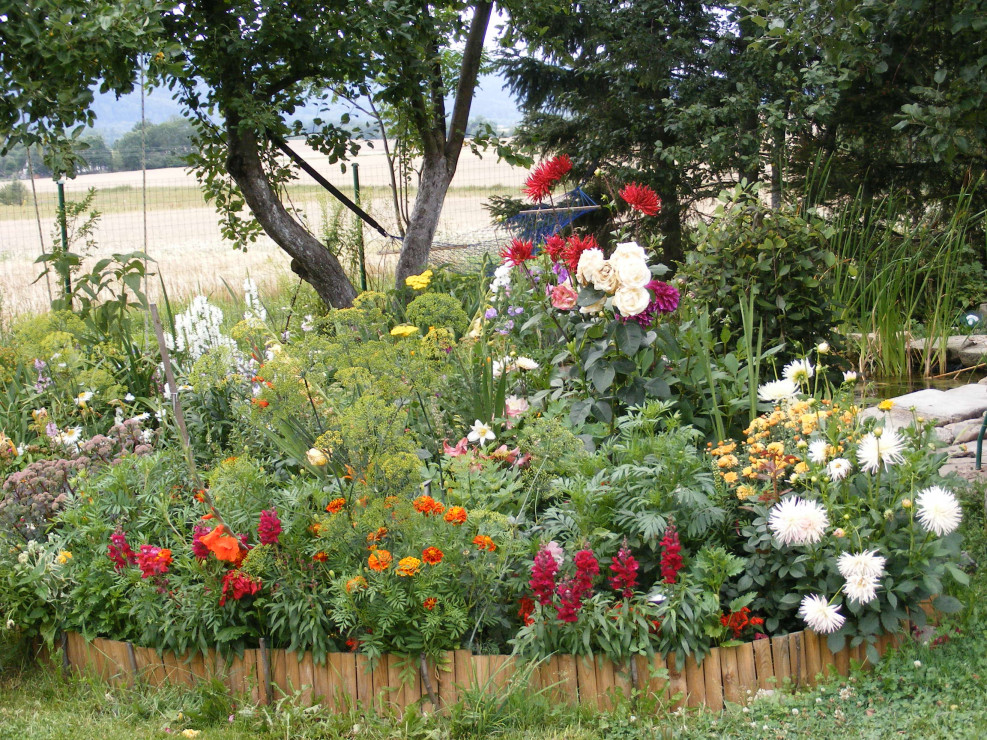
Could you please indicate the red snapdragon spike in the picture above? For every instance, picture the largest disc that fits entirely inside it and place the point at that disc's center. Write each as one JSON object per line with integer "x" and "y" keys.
{"x": 199, "y": 550}
{"x": 671, "y": 559}
{"x": 237, "y": 585}
{"x": 153, "y": 560}
{"x": 526, "y": 608}
{"x": 119, "y": 551}
{"x": 543, "y": 572}
{"x": 269, "y": 528}
{"x": 624, "y": 567}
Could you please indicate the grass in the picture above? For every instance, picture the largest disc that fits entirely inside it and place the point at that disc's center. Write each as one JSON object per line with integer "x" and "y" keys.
{"x": 919, "y": 690}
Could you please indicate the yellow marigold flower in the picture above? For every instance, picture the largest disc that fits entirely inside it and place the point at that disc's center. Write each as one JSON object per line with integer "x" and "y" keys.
{"x": 408, "y": 566}
{"x": 727, "y": 461}
{"x": 886, "y": 405}
{"x": 802, "y": 467}
{"x": 730, "y": 477}
{"x": 403, "y": 330}
{"x": 63, "y": 557}
{"x": 745, "y": 492}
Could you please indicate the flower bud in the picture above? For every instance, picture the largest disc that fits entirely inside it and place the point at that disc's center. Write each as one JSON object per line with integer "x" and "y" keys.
{"x": 316, "y": 457}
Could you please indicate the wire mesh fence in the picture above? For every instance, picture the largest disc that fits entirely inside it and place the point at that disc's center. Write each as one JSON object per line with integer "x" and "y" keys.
{"x": 164, "y": 213}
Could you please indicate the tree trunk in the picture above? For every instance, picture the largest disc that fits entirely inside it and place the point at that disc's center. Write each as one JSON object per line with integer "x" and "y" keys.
{"x": 310, "y": 259}
{"x": 437, "y": 173}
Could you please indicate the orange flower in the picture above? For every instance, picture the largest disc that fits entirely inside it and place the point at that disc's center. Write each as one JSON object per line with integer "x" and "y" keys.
{"x": 320, "y": 557}
{"x": 390, "y": 501}
{"x": 336, "y": 505}
{"x": 430, "y": 603}
{"x": 349, "y": 473}
{"x": 408, "y": 566}
{"x": 379, "y": 560}
{"x": 222, "y": 545}
{"x": 357, "y": 582}
{"x": 363, "y": 500}
{"x": 200, "y": 495}
{"x": 206, "y": 517}
{"x": 424, "y": 505}
{"x": 377, "y": 536}
{"x": 260, "y": 402}
{"x": 315, "y": 528}
{"x": 483, "y": 542}
{"x": 455, "y": 515}
{"x": 432, "y": 555}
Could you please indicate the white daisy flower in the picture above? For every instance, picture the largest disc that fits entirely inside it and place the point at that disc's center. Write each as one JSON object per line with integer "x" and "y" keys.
{"x": 480, "y": 432}
{"x": 838, "y": 468}
{"x": 850, "y": 376}
{"x": 798, "y": 371}
{"x": 938, "y": 510}
{"x": 820, "y": 615}
{"x": 861, "y": 588}
{"x": 796, "y": 521}
{"x": 526, "y": 363}
{"x": 818, "y": 451}
{"x": 777, "y": 390}
{"x": 83, "y": 398}
{"x": 867, "y": 563}
{"x": 875, "y": 450}
{"x": 130, "y": 397}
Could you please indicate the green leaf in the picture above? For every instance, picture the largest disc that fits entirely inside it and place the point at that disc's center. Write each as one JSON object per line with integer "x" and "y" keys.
{"x": 948, "y": 604}
{"x": 602, "y": 376}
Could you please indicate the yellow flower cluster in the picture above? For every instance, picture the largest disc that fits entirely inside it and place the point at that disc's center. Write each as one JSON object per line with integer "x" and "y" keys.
{"x": 403, "y": 330}
{"x": 419, "y": 282}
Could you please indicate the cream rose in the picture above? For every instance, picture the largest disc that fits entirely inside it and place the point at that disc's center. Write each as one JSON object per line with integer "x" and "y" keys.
{"x": 631, "y": 301}
{"x": 589, "y": 262}
{"x": 598, "y": 306}
{"x": 606, "y": 278}
{"x": 632, "y": 273}
{"x": 629, "y": 249}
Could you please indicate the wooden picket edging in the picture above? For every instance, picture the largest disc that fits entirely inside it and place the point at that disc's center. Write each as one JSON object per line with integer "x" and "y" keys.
{"x": 345, "y": 680}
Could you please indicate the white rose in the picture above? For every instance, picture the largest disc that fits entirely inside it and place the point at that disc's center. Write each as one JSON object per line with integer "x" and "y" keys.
{"x": 631, "y": 301}
{"x": 606, "y": 278}
{"x": 589, "y": 262}
{"x": 598, "y": 306}
{"x": 632, "y": 273}
{"x": 629, "y": 249}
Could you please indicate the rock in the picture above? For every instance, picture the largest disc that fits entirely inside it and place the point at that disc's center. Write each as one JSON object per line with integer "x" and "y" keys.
{"x": 968, "y": 350}
{"x": 959, "y": 432}
{"x": 973, "y": 353}
{"x": 955, "y": 451}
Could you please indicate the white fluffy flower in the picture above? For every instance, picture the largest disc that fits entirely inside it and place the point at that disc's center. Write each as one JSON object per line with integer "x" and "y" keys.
{"x": 631, "y": 301}
{"x": 861, "y": 588}
{"x": 818, "y": 451}
{"x": 820, "y": 615}
{"x": 590, "y": 262}
{"x": 796, "y": 521}
{"x": 938, "y": 510}
{"x": 850, "y": 376}
{"x": 526, "y": 363}
{"x": 777, "y": 390}
{"x": 874, "y": 451}
{"x": 867, "y": 563}
{"x": 502, "y": 278}
{"x": 480, "y": 432}
{"x": 629, "y": 251}
{"x": 798, "y": 371}
{"x": 838, "y": 468}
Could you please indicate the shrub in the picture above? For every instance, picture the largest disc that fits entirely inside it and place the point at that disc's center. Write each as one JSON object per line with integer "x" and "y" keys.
{"x": 438, "y": 310}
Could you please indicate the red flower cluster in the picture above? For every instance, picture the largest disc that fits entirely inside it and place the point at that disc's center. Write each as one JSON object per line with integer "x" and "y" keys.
{"x": 624, "y": 568}
{"x": 543, "y": 572}
{"x": 554, "y": 246}
{"x": 119, "y": 551}
{"x": 543, "y": 177}
{"x": 198, "y": 548}
{"x": 525, "y": 610}
{"x": 269, "y": 527}
{"x": 574, "y": 247}
{"x": 518, "y": 252}
{"x": 573, "y": 590}
{"x": 153, "y": 560}
{"x": 641, "y": 198}
{"x": 737, "y": 621}
{"x": 237, "y": 584}
{"x": 671, "y": 559}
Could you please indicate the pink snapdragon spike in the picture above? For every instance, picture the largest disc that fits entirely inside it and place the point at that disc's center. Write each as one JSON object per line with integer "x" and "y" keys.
{"x": 269, "y": 528}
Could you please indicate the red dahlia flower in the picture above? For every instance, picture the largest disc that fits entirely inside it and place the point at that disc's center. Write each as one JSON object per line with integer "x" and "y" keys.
{"x": 554, "y": 246}
{"x": 574, "y": 247}
{"x": 545, "y": 175}
{"x": 519, "y": 252}
{"x": 641, "y": 198}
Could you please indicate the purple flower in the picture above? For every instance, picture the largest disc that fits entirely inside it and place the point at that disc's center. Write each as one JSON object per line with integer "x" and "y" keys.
{"x": 665, "y": 300}
{"x": 490, "y": 313}
{"x": 515, "y": 310}
{"x": 560, "y": 272}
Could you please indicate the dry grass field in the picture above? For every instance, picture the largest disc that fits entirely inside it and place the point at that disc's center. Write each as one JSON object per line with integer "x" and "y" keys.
{"x": 183, "y": 234}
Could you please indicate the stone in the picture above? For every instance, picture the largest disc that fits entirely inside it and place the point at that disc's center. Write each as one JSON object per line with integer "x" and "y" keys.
{"x": 959, "y": 432}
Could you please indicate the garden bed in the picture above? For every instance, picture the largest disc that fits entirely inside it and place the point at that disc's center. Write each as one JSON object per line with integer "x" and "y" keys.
{"x": 344, "y": 680}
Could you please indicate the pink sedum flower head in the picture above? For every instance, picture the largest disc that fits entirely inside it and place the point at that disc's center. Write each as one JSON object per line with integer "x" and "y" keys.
{"x": 820, "y": 615}
{"x": 876, "y": 450}
{"x": 938, "y": 510}
{"x": 796, "y": 521}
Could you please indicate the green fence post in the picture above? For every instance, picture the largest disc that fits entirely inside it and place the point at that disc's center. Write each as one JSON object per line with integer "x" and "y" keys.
{"x": 356, "y": 199}
{"x": 63, "y": 224}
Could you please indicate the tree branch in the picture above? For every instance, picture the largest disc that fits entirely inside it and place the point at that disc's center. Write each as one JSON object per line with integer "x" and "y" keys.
{"x": 468, "y": 73}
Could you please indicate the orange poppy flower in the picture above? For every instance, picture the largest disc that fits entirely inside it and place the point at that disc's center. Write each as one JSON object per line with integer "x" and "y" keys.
{"x": 379, "y": 560}
{"x": 455, "y": 515}
{"x": 222, "y": 545}
{"x": 408, "y": 566}
{"x": 430, "y": 603}
{"x": 432, "y": 555}
{"x": 335, "y": 505}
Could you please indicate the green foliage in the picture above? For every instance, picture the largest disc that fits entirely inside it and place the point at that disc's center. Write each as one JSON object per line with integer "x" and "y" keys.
{"x": 781, "y": 257}
{"x": 13, "y": 194}
{"x": 437, "y": 310}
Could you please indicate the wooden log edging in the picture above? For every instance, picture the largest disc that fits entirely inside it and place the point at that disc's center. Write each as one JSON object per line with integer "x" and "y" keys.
{"x": 346, "y": 680}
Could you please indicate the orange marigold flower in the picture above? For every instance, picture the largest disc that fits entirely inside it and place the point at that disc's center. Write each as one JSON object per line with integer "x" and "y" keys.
{"x": 455, "y": 515}
{"x": 336, "y": 505}
{"x": 424, "y": 505}
{"x": 315, "y": 528}
{"x": 357, "y": 582}
{"x": 320, "y": 557}
{"x": 483, "y": 542}
{"x": 408, "y": 566}
{"x": 377, "y": 536}
{"x": 432, "y": 555}
{"x": 430, "y": 603}
{"x": 379, "y": 560}
{"x": 222, "y": 545}
{"x": 260, "y": 402}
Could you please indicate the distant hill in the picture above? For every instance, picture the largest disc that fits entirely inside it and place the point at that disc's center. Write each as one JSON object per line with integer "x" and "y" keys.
{"x": 116, "y": 117}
